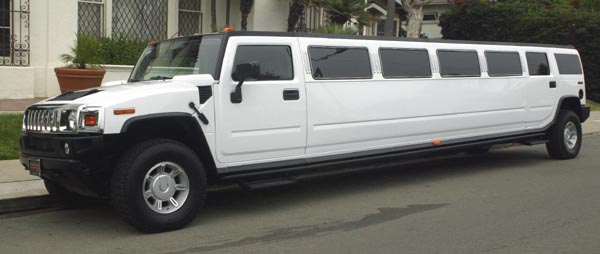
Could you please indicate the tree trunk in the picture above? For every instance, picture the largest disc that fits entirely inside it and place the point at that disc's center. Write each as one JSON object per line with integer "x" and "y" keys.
{"x": 414, "y": 8}
{"x": 296, "y": 11}
{"x": 389, "y": 20}
{"x": 415, "y": 21}
{"x": 245, "y": 8}
{"x": 227, "y": 12}
{"x": 213, "y": 15}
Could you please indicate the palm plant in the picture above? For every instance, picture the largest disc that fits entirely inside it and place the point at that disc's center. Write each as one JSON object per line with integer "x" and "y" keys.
{"x": 87, "y": 51}
{"x": 342, "y": 11}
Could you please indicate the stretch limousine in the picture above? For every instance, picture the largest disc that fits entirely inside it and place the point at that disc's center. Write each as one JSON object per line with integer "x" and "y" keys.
{"x": 262, "y": 108}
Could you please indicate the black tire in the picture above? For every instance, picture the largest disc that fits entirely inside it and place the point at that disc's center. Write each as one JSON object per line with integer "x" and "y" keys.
{"x": 558, "y": 147}
{"x": 62, "y": 196}
{"x": 479, "y": 150}
{"x": 128, "y": 183}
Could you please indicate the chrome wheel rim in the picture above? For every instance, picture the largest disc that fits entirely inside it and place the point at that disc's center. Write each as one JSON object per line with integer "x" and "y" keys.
{"x": 570, "y": 135}
{"x": 166, "y": 187}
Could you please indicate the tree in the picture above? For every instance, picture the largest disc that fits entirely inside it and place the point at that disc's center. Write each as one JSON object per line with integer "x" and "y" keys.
{"x": 414, "y": 8}
{"x": 389, "y": 20}
{"x": 227, "y": 12}
{"x": 245, "y": 8}
{"x": 213, "y": 15}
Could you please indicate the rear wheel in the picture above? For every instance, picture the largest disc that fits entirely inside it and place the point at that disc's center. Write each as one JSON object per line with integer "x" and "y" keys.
{"x": 159, "y": 185}
{"x": 565, "y": 136}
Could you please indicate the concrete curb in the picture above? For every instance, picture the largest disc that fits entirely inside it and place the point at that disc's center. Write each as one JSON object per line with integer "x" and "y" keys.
{"x": 25, "y": 203}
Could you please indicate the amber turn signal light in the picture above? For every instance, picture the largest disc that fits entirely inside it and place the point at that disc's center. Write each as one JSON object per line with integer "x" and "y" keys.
{"x": 125, "y": 111}
{"x": 90, "y": 120}
{"x": 436, "y": 142}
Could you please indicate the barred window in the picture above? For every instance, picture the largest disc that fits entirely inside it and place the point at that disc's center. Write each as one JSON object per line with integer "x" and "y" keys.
{"x": 4, "y": 28}
{"x": 190, "y": 17}
{"x": 14, "y": 32}
{"x": 91, "y": 18}
{"x": 140, "y": 19}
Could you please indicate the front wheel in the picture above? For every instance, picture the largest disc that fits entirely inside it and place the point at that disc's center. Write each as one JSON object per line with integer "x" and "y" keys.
{"x": 159, "y": 185}
{"x": 564, "y": 137}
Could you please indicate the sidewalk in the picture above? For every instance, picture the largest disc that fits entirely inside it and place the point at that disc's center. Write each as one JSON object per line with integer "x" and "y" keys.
{"x": 21, "y": 191}
{"x": 17, "y": 105}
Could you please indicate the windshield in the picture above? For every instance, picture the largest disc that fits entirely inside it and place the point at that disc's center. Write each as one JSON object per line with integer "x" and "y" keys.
{"x": 183, "y": 56}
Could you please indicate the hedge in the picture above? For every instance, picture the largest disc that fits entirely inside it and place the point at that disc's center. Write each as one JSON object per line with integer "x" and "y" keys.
{"x": 552, "y": 22}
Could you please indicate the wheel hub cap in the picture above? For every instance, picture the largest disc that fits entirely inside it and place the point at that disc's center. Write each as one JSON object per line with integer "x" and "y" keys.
{"x": 570, "y": 135}
{"x": 165, "y": 187}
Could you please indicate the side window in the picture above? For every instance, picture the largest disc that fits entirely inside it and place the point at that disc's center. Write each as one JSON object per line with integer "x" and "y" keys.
{"x": 274, "y": 62}
{"x": 568, "y": 64}
{"x": 503, "y": 64}
{"x": 405, "y": 63}
{"x": 537, "y": 64}
{"x": 459, "y": 63}
{"x": 340, "y": 63}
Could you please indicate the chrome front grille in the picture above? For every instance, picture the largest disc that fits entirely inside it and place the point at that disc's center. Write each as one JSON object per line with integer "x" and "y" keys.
{"x": 42, "y": 120}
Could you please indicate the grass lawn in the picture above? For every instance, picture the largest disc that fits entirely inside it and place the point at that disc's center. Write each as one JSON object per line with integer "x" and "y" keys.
{"x": 595, "y": 105}
{"x": 10, "y": 130}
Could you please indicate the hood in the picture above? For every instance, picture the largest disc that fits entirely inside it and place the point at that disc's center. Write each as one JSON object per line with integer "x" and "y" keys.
{"x": 106, "y": 96}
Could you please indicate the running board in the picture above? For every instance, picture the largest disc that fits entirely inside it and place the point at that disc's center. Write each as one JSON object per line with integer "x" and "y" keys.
{"x": 266, "y": 183}
{"x": 534, "y": 142}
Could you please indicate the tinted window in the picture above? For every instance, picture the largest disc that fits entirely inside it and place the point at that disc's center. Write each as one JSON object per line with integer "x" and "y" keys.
{"x": 403, "y": 63}
{"x": 340, "y": 63}
{"x": 459, "y": 63}
{"x": 537, "y": 63}
{"x": 568, "y": 64}
{"x": 503, "y": 64}
{"x": 274, "y": 62}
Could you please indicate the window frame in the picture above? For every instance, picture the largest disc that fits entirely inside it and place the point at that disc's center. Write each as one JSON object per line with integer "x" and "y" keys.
{"x": 503, "y": 75}
{"x": 547, "y": 61}
{"x": 404, "y": 49}
{"x": 458, "y": 50}
{"x": 269, "y": 80}
{"x": 312, "y": 73}
{"x": 199, "y": 12}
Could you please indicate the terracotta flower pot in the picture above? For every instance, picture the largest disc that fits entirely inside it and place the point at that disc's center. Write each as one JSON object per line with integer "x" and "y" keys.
{"x": 71, "y": 79}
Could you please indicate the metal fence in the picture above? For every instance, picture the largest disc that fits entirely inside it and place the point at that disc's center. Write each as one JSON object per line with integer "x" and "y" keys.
{"x": 190, "y": 17}
{"x": 14, "y": 33}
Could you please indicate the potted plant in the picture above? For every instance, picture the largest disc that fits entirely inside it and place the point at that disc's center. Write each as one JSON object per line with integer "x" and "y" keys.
{"x": 83, "y": 69}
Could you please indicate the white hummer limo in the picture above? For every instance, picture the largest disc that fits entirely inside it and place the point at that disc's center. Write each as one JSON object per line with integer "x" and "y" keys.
{"x": 264, "y": 108}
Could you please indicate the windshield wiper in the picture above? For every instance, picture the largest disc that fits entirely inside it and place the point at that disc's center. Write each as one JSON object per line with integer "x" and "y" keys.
{"x": 160, "y": 78}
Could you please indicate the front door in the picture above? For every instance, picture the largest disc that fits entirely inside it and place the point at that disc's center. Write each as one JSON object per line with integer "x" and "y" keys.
{"x": 268, "y": 121}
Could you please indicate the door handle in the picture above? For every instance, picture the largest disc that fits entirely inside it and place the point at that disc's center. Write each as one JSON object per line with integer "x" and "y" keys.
{"x": 552, "y": 84}
{"x": 291, "y": 95}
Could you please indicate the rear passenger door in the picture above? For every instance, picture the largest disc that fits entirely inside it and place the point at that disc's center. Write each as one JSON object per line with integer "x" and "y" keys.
{"x": 269, "y": 123}
{"x": 541, "y": 90}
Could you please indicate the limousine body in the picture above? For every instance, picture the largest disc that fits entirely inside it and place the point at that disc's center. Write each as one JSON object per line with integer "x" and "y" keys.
{"x": 264, "y": 108}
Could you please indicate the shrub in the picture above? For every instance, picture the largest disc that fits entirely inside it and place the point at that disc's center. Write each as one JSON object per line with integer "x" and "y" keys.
{"x": 120, "y": 51}
{"x": 335, "y": 29}
{"x": 524, "y": 21}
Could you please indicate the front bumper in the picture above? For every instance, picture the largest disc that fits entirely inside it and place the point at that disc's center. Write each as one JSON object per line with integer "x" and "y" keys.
{"x": 83, "y": 170}
{"x": 585, "y": 113}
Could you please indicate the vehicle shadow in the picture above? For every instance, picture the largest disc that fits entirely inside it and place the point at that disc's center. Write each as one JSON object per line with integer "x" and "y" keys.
{"x": 233, "y": 201}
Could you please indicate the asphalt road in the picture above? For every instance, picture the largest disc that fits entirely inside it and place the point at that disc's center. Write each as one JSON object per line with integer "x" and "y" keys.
{"x": 514, "y": 200}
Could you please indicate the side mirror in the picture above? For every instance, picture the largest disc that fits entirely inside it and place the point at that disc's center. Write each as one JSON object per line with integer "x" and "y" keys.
{"x": 243, "y": 72}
